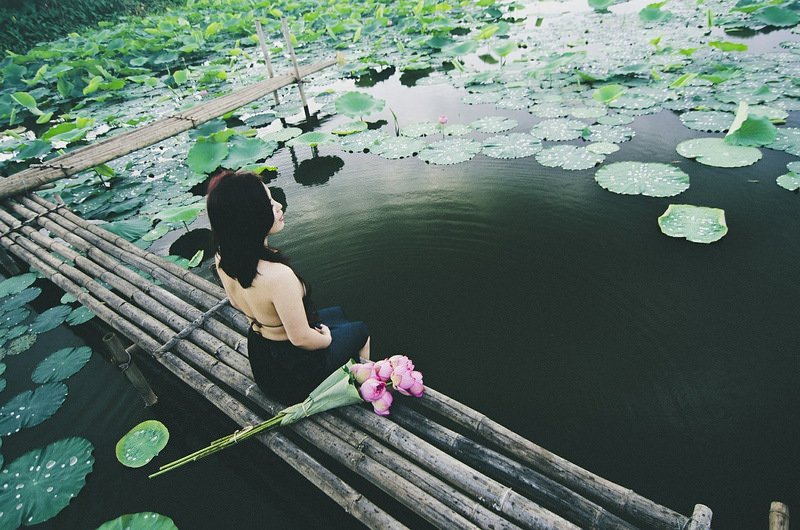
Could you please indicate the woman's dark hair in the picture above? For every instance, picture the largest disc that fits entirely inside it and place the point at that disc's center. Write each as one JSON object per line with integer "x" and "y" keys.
{"x": 241, "y": 216}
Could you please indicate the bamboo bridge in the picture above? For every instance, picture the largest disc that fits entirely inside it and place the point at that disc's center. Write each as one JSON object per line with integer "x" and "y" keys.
{"x": 473, "y": 474}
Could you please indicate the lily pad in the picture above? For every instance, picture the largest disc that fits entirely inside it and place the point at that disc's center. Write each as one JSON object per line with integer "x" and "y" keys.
{"x": 559, "y": 129}
{"x": 777, "y": 16}
{"x": 358, "y": 104}
{"x": 206, "y": 156}
{"x": 707, "y": 120}
{"x": 40, "y": 483}
{"x": 363, "y": 141}
{"x": 14, "y": 317}
{"x": 789, "y": 181}
{"x": 450, "y": 151}
{"x": 602, "y": 148}
{"x": 21, "y": 298}
{"x": 243, "y": 151}
{"x": 493, "y": 124}
{"x": 20, "y": 344}
{"x": 425, "y": 128}
{"x": 514, "y": 145}
{"x": 457, "y": 129}
{"x": 16, "y": 284}
{"x": 394, "y": 147}
{"x": 79, "y": 315}
{"x": 608, "y": 133}
{"x": 312, "y": 139}
{"x": 716, "y": 152}
{"x": 646, "y": 178}
{"x": 350, "y": 127}
{"x": 61, "y": 364}
{"x": 50, "y": 318}
{"x": 569, "y": 157}
{"x": 698, "y": 224}
{"x": 482, "y": 98}
{"x": 140, "y": 521}
{"x": 788, "y": 140}
{"x": 31, "y": 407}
{"x": 142, "y": 443}
{"x": 181, "y": 214}
{"x": 755, "y": 131}
{"x": 130, "y": 229}
{"x": 281, "y": 135}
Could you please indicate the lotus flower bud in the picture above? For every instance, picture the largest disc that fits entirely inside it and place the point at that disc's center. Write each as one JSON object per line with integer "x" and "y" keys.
{"x": 416, "y": 389}
{"x": 381, "y": 405}
{"x": 372, "y": 390}
{"x": 362, "y": 372}
{"x": 383, "y": 370}
{"x": 442, "y": 119}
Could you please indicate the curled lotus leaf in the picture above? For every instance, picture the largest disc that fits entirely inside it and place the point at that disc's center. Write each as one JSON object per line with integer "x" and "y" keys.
{"x": 425, "y": 128}
{"x": 358, "y": 104}
{"x": 642, "y": 178}
{"x": 142, "y": 443}
{"x": 16, "y": 284}
{"x": 698, "y": 224}
{"x": 559, "y": 129}
{"x": 62, "y": 364}
{"x": 140, "y": 521}
{"x": 39, "y": 484}
{"x": 450, "y": 151}
{"x": 569, "y": 157}
{"x": 32, "y": 407}
{"x": 493, "y": 124}
{"x": 312, "y": 139}
{"x": 50, "y": 318}
{"x": 608, "y": 133}
{"x": 608, "y": 93}
{"x": 707, "y": 120}
{"x": 363, "y": 141}
{"x": 716, "y": 152}
{"x": 514, "y": 145}
{"x": 755, "y": 131}
{"x": 394, "y": 147}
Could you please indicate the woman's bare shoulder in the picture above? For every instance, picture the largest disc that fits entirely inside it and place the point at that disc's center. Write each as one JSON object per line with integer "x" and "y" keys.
{"x": 270, "y": 273}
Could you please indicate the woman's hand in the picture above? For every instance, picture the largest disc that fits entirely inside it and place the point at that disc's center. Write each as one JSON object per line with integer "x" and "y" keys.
{"x": 325, "y": 331}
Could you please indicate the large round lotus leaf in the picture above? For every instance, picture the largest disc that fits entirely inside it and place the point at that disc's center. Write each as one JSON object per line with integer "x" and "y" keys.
{"x": 358, "y": 104}
{"x": 181, "y": 214}
{"x": 569, "y": 157}
{"x": 773, "y": 114}
{"x": 588, "y": 112}
{"x": 39, "y": 484}
{"x": 789, "y": 181}
{"x": 515, "y": 145}
{"x": 646, "y": 178}
{"x": 20, "y": 344}
{"x": 698, "y": 224}
{"x": 548, "y": 110}
{"x": 460, "y": 49}
{"x": 312, "y": 139}
{"x": 50, "y": 318}
{"x": 602, "y": 148}
{"x": 363, "y": 141}
{"x": 350, "y": 127}
{"x": 608, "y": 133}
{"x": 16, "y": 284}
{"x": 31, "y": 407}
{"x": 616, "y": 119}
{"x": 208, "y": 128}
{"x": 493, "y": 124}
{"x": 707, "y": 120}
{"x": 788, "y": 139}
{"x": 260, "y": 120}
{"x": 747, "y": 94}
{"x": 140, "y": 521}
{"x": 21, "y": 298}
{"x": 650, "y": 15}
{"x": 716, "y": 152}
{"x": 130, "y": 229}
{"x": 482, "y": 98}
{"x": 450, "y": 151}
{"x": 80, "y": 315}
{"x": 142, "y": 443}
{"x": 281, "y": 135}
{"x": 777, "y": 16}
{"x": 206, "y": 156}
{"x": 61, "y": 364}
{"x": 397, "y": 147}
{"x": 558, "y": 129}
{"x": 425, "y": 128}
{"x": 243, "y": 151}
{"x": 457, "y": 129}
{"x": 35, "y": 149}
{"x": 14, "y": 317}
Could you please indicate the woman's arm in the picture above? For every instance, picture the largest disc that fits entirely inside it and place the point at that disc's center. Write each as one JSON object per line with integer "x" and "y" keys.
{"x": 287, "y": 297}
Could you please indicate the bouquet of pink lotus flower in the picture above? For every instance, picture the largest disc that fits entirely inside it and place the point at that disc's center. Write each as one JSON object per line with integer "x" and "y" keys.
{"x": 352, "y": 383}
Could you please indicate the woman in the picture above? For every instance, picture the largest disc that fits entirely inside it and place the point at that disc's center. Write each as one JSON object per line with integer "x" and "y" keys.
{"x": 291, "y": 347}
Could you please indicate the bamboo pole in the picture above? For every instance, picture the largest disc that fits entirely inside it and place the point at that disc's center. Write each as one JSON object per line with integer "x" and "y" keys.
{"x": 121, "y": 144}
{"x": 262, "y": 42}
{"x": 123, "y": 361}
{"x": 778, "y": 516}
{"x": 629, "y": 504}
{"x": 701, "y": 518}
{"x": 287, "y": 37}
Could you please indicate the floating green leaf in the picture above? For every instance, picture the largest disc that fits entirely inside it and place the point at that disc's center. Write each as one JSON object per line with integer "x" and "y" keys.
{"x": 130, "y": 229}
{"x": 79, "y": 316}
{"x": 493, "y": 124}
{"x": 397, "y": 147}
{"x": 140, "y": 521}
{"x": 708, "y": 120}
{"x": 642, "y": 178}
{"x": 61, "y": 364}
{"x": 31, "y": 407}
{"x": 558, "y": 129}
{"x": 459, "y": 49}
{"x": 142, "y": 443}
{"x": 21, "y": 298}
{"x": 35, "y": 149}
{"x": 205, "y": 156}
{"x": 777, "y": 16}
{"x": 358, "y": 104}
{"x": 652, "y": 14}
{"x": 9, "y": 319}
{"x": 282, "y": 135}
{"x": 450, "y": 151}
{"x": 16, "y": 284}
{"x": 787, "y": 139}
{"x": 39, "y": 484}
{"x": 716, "y": 152}
{"x": 608, "y": 133}
{"x": 243, "y": 151}
{"x": 181, "y": 214}
{"x": 20, "y": 344}
{"x": 754, "y": 131}
{"x": 789, "y": 181}
{"x": 569, "y": 157}
{"x": 698, "y": 224}
{"x": 363, "y": 141}
{"x": 50, "y": 318}
{"x": 515, "y": 145}
{"x": 425, "y": 128}
{"x": 312, "y": 139}
{"x": 350, "y": 127}
{"x": 608, "y": 93}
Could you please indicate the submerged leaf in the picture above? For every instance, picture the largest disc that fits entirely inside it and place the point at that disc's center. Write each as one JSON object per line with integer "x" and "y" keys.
{"x": 645, "y": 178}
{"x": 698, "y": 224}
{"x": 142, "y": 443}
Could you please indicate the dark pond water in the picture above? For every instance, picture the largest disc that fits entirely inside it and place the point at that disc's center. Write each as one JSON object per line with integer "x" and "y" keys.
{"x": 532, "y": 295}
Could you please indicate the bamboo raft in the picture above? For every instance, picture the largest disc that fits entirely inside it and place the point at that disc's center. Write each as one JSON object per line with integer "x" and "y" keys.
{"x": 481, "y": 476}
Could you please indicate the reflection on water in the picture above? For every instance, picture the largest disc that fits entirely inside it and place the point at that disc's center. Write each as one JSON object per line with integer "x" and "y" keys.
{"x": 317, "y": 170}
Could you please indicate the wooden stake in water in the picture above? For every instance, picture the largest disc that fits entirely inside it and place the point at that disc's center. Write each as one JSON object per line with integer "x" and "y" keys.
{"x": 778, "y": 516}
{"x": 264, "y": 50}
{"x": 299, "y": 79}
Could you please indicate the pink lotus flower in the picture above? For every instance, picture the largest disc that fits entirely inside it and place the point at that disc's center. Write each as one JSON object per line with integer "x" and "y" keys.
{"x": 383, "y": 370}
{"x": 362, "y": 372}
{"x": 372, "y": 390}
{"x": 442, "y": 119}
{"x": 381, "y": 405}
{"x": 401, "y": 362}
{"x": 417, "y": 388}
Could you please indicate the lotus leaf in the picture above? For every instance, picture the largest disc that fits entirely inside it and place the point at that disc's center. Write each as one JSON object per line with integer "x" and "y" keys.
{"x": 493, "y": 124}
{"x": 645, "y": 178}
{"x": 16, "y": 284}
{"x": 2, "y": 371}
{"x": 588, "y": 112}
{"x": 79, "y": 316}
{"x": 397, "y": 147}
{"x": 789, "y": 181}
{"x": 181, "y": 214}
{"x": 40, "y": 483}
{"x": 358, "y": 104}
{"x": 61, "y": 364}
{"x": 207, "y": 129}
{"x": 243, "y": 151}
{"x": 9, "y": 319}
{"x": 651, "y": 14}
{"x": 362, "y": 141}
{"x": 2, "y": 387}
{"x": 787, "y": 139}
{"x": 459, "y": 49}
{"x": 558, "y": 129}
{"x": 351, "y": 127}
{"x": 751, "y": 95}
{"x": 515, "y": 145}
{"x": 548, "y": 110}
{"x": 286, "y": 109}
{"x": 50, "y": 318}
{"x": 205, "y": 156}
{"x": 158, "y": 232}
{"x": 637, "y": 101}
{"x": 282, "y": 135}
{"x": 20, "y": 344}
{"x": 602, "y": 148}
{"x": 31, "y": 407}
{"x": 482, "y": 98}
{"x": 35, "y": 149}
{"x": 142, "y": 443}
{"x": 754, "y": 131}
{"x": 698, "y": 224}
{"x": 569, "y": 157}
{"x": 601, "y": 5}
{"x": 16, "y": 331}
{"x": 450, "y": 151}
{"x": 312, "y": 139}
{"x": 777, "y": 16}
{"x": 608, "y": 93}
{"x": 457, "y": 129}
{"x": 21, "y": 298}
{"x": 425, "y": 128}
{"x": 260, "y": 120}
{"x": 716, "y": 152}
{"x": 130, "y": 229}
{"x": 616, "y": 119}
{"x": 707, "y": 120}
{"x": 140, "y": 521}
{"x": 608, "y": 133}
